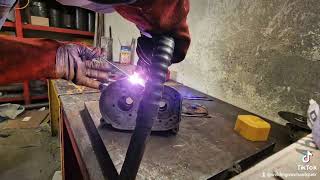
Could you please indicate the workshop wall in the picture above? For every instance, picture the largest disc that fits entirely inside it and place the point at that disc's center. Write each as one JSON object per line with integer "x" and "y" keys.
{"x": 122, "y": 31}
{"x": 263, "y": 56}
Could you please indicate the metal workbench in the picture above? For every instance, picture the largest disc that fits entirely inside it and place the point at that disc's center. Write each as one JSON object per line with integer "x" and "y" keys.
{"x": 203, "y": 148}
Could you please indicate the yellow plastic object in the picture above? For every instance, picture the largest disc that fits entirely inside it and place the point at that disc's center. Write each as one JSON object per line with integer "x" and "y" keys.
{"x": 252, "y": 128}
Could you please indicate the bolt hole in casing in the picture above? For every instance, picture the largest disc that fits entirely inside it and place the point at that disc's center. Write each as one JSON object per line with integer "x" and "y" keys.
{"x": 125, "y": 103}
{"x": 119, "y": 103}
{"x": 163, "y": 106}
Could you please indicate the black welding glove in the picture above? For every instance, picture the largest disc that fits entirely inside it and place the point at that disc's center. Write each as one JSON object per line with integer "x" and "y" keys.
{"x": 145, "y": 47}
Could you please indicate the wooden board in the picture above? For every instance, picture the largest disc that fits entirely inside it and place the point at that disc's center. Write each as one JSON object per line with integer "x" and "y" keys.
{"x": 64, "y": 87}
{"x": 54, "y": 106}
{"x": 36, "y": 118}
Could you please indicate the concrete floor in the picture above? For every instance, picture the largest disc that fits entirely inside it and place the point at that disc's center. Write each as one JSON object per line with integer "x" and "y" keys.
{"x": 28, "y": 154}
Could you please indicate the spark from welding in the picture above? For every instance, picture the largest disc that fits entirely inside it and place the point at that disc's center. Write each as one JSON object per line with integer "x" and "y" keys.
{"x": 136, "y": 79}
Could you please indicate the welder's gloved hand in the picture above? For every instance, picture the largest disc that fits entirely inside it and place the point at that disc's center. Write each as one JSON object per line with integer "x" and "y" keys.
{"x": 77, "y": 63}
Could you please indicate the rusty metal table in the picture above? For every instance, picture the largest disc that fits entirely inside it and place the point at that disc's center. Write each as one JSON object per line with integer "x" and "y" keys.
{"x": 204, "y": 147}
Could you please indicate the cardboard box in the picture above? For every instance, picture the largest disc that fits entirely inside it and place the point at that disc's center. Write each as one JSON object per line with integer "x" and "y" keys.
{"x": 41, "y": 21}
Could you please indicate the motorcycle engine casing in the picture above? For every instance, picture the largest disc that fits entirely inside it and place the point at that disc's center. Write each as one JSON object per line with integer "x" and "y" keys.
{"x": 119, "y": 104}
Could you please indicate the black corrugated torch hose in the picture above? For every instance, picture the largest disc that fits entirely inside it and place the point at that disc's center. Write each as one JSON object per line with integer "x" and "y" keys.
{"x": 149, "y": 106}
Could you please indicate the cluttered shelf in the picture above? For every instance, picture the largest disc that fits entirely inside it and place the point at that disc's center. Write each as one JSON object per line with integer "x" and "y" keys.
{"x": 8, "y": 24}
{"x": 27, "y": 91}
{"x": 20, "y": 97}
{"x": 45, "y": 19}
{"x": 39, "y": 97}
{"x": 57, "y": 30}
{"x": 51, "y": 29}
{"x": 12, "y": 98}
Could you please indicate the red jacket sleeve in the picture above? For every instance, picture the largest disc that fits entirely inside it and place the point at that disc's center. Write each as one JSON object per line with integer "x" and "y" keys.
{"x": 26, "y": 59}
{"x": 161, "y": 17}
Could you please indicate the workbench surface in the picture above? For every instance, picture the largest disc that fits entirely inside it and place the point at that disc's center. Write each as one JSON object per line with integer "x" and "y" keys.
{"x": 203, "y": 148}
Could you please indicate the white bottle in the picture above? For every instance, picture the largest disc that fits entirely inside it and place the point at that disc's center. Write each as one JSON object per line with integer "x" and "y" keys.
{"x": 313, "y": 112}
{"x": 314, "y": 120}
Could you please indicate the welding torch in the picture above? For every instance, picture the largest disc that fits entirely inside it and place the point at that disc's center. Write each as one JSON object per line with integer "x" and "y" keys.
{"x": 134, "y": 78}
{"x": 149, "y": 105}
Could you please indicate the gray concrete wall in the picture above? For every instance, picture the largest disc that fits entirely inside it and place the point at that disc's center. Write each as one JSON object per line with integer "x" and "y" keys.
{"x": 122, "y": 31}
{"x": 261, "y": 55}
